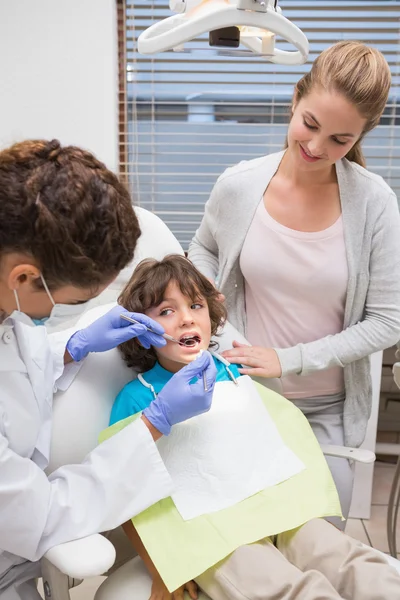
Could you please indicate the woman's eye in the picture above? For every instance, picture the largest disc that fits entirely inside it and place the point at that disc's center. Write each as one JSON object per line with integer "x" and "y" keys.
{"x": 309, "y": 126}
{"x": 165, "y": 312}
{"x": 339, "y": 142}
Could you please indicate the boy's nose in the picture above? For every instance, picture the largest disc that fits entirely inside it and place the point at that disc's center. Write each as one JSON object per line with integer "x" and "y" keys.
{"x": 187, "y": 317}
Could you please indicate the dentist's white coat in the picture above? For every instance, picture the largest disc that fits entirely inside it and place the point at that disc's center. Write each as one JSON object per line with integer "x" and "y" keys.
{"x": 119, "y": 479}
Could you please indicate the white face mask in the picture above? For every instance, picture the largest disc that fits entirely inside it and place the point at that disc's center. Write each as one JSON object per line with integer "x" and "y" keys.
{"x": 60, "y": 315}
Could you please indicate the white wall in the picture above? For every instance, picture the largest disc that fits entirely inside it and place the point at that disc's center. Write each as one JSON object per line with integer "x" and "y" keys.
{"x": 58, "y": 73}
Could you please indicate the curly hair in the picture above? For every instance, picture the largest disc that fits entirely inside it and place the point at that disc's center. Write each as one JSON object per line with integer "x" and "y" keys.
{"x": 146, "y": 289}
{"x": 65, "y": 209}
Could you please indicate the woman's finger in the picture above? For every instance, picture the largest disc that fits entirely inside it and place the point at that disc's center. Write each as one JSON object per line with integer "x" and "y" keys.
{"x": 251, "y": 361}
{"x": 233, "y": 352}
{"x": 241, "y": 355}
{"x": 236, "y": 344}
{"x": 243, "y": 350}
{"x": 254, "y": 372}
{"x": 245, "y": 353}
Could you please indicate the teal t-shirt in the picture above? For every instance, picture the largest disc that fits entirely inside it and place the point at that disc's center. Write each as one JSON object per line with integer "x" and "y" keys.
{"x": 135, "y": 397}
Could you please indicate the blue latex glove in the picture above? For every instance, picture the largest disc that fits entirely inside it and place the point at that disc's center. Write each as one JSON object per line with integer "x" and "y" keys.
{"x": 110, "y": 330}
{"x": 179, "y": 399}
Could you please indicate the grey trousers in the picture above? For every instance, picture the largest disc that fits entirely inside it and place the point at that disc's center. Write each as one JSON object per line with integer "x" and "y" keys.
{"x": 325, "y": 415}
{"x": 19, "y": 582}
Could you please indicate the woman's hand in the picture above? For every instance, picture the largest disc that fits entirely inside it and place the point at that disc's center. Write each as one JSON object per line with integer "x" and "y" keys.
{"x": 159, "y": 590}
{"x": 263, "y": 362}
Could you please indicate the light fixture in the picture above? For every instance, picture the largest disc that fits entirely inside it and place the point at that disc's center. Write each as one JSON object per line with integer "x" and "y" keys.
{"x": 253, "y": 24}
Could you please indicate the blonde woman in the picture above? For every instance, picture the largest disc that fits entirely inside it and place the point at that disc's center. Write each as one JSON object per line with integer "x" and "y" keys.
{"x": 305, "y": 246}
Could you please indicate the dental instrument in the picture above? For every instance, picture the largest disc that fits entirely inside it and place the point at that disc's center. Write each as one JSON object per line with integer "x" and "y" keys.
{"x": 252, "y": 23}
{"x": 188, "y": 343}
{"x": 164, "y": 335}
{"x": 227, "y": 366}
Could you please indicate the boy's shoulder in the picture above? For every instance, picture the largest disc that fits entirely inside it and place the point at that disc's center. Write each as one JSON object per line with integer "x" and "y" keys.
{"x": 133, "y": 398}
{"x": 222, "y": 373}
{"x": 129, "y": 389}
{"x": 155, "y": 376}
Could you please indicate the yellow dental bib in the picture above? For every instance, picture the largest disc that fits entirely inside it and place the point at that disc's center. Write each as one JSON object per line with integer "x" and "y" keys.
{"x": 181, "y": 550}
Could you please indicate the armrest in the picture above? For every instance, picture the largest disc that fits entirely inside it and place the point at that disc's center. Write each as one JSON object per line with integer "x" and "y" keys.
{"x": 396, "y": 370}
{"x": 357, "y": 454}
{"x": 87, "y": 557}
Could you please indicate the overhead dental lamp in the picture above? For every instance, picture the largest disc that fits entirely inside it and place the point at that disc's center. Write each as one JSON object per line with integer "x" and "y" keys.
{"x": 253, "y": 24}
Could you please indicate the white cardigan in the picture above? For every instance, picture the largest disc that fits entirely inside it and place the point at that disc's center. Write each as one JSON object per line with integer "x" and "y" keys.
{"x": 371, "y": 222}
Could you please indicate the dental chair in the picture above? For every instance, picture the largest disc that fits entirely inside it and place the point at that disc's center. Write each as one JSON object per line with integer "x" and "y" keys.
{"x": 82, "y": 412}
{"x": 394, "y": 497}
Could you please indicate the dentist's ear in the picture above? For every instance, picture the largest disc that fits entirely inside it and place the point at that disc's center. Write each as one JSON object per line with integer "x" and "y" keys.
{"x": 21, "y": 275}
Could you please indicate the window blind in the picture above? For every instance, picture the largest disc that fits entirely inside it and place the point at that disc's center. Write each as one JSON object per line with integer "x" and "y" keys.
{"x": 185, "y": 117}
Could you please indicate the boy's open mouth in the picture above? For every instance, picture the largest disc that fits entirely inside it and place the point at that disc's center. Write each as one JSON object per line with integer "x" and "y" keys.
{"x": 189, "y": 340}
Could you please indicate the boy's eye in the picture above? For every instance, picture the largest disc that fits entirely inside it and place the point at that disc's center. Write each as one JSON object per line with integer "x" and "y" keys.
{"x": 165, "y": 312}
{"x": 309, "y": 126}
{"x": 196, "y": 306}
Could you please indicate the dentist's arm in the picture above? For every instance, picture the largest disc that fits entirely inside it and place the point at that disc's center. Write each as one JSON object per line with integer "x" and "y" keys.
{"x": 117, "y": 480}
{"x": 155, "y": 434}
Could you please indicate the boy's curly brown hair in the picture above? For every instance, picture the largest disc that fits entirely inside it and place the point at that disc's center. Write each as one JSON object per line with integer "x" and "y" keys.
{"x": 146, "y": 289}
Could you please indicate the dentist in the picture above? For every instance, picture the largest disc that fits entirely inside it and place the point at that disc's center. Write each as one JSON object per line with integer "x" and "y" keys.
{"x": 67, "y": 228}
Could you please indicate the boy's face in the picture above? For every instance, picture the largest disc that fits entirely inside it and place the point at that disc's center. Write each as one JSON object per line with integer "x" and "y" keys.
{"x": 180, "y": 316}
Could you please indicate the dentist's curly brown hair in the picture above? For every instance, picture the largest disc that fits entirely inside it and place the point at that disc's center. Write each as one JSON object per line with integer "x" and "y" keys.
{"x": 146, "y": 289}
{"x": 63, "y": 208}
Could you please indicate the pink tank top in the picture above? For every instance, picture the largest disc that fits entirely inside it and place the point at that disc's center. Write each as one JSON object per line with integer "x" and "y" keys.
{"x": 295, "y": 290}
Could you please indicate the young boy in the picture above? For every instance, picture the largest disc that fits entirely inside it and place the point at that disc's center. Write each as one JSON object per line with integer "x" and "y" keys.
{"x": 311, "y": 562}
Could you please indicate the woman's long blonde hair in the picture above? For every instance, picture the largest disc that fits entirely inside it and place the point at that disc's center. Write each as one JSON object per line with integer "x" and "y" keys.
{"x": 358, "y": 72}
